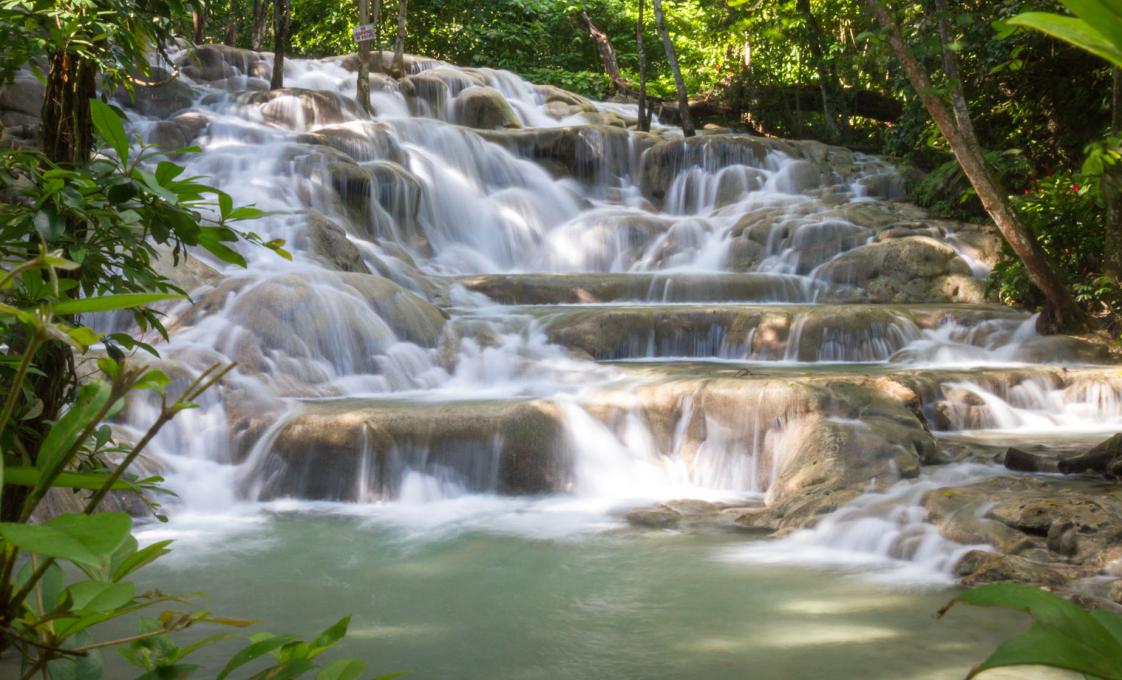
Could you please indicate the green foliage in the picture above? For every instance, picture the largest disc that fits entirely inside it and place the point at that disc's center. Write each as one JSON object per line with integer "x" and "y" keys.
{"x": 1065, "y": 213}
{"x": 114, "y": 35}
{"x": 50, "y": 614}
{"x": 1062, "y": 635}
{"x": 1096, "y": 26}
{"x": 946, "y": 191}
{"x": 126, "y": 209}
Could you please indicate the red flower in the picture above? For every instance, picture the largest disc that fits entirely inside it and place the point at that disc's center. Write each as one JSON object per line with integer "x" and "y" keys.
{"x": 1075, "y": 187}
{"x": 1026, "y": 192}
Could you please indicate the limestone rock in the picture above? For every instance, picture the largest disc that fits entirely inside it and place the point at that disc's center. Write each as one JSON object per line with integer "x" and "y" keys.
{"x": 216, "y": 62}
{"x": 484, "y": 108}
{"x": 904, "y": 270}
{"x": 657, "y": 517}
{"x": 169, "y": 96}
{"x": 329, "y": 241}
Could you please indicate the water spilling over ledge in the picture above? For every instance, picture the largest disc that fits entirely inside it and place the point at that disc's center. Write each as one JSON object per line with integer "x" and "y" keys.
{"x": 501, "y": 293}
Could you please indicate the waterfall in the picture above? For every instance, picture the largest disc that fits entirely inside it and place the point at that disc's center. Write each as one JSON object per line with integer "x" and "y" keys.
{"x": 500, "y": 289}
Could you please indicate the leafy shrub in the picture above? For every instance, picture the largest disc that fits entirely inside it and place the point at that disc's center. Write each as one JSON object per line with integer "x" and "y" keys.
{"x": 1064, "y": 212}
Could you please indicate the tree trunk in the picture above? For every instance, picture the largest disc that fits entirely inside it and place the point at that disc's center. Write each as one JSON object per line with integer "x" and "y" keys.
{"x": 399, "y": 46}
{"x": 280, "y": 41}
{"x": 668, "y": 44}
{"x": 260, "y": 21}
{"x": 832, "y": 105}
{"x": 231, "y": 38}
{"x": 67, "y": 130}
{"x": 1061, "y": 311}
{"x": 376, "y": 19}
{"x": 607, "y": 56}
{"x": 363, "y": 83}
{"x": 644, "y": 113}
{"x": 198, "y": 22}
{"x": 1112, "y": 192}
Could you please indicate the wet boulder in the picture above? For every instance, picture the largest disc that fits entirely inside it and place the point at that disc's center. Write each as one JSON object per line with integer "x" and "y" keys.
{"x": 167, "y": 95}
{"x": 301, "y": 109}
{"x": 1104, "y": 459}
{"x": 20, "y": 103}
{"x": 575, "y": 102}
{"x": 362, "y": 141}
{"x": 216, "y": 62}
{"x": 904, "y": 270}
{"x": 591, "y": 154}
{"x": 329, "y": 241}
{"x": 484, "y": 108}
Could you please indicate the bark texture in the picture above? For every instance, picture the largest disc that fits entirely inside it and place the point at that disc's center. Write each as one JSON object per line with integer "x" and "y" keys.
{"x": 644, "y": 110}
{"x": 672, "y": 58}
{"x": 607, "y": 56}
{"x": 281, "y": 12}
{"x": 363, "y": 80}
{"x": 260, "y": 23}
{"x": 399, "y": 45}
{"x": 1112, "y": 193}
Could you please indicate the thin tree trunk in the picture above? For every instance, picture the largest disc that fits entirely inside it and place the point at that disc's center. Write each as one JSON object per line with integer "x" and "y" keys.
{"x": 363, "y": 85}
{"x": 668, "y": 44}
{"x": 607, "y": 56}
{"x": 280, "y": 41}
{"x": 1112, "y": 192}
{"x": 1061, "y": 310}
{"x": 828, "y": 83}
{"x": 376, "y": 19}
{"x": 260, "y": 21}
{"x": 644, "y": 114}
{"x": 231, "y": 38}
{"x": 198, "y": 21}
{"x": 399, "y": 46}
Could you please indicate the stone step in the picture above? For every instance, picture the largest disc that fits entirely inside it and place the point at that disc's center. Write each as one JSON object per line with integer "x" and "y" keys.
{"x": 553, "y": 289}
{"x": 803, "y": 333}
{"x": 361, "y": 449}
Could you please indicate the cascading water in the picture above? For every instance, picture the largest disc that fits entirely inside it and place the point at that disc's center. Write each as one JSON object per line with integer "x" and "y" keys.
{"x": 497, "y": 288}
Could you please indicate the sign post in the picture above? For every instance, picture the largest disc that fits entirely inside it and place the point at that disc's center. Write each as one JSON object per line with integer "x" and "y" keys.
{"x": 364, "y": 33}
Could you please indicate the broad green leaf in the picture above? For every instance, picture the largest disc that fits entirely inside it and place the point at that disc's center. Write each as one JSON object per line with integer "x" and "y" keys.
{"x": 260, "y": 647}
{"x": 92, "y": 398}
{"x": 92, "y": 481}
{"x": 107, "y": 303}
{"x": 212, "y": 239}
{"x": 1073, "y": 31}
{"x": 1049, "y": 609}
{"x": 97, "y": 596}
{"x": 342, "y": 669}
{"x": 330, "y": 636}
{"x": 225, "y": 204}
{"x": 83, "y": 539}
{"x": 110, "y": 127}
{"x": 1064, "y": 635}
{"x": 1102, "y": 16}
{"x": 139, "y": 559}
{"x": 166, "y": 171}
{"x": 1045, "y": 645}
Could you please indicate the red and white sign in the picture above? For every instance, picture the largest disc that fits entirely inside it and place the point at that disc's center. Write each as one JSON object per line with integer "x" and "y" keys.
{"x": 364, "y": 33}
